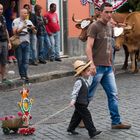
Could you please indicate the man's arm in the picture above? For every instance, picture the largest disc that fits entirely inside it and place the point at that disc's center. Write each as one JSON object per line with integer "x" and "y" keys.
{"x": 90, "y": 43}
{"x": 9, "y": 43}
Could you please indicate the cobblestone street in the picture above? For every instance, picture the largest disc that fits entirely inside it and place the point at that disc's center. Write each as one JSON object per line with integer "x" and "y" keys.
{"x": 53, "y": 96}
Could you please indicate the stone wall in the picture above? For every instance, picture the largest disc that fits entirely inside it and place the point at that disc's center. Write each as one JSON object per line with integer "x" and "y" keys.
{"x": 75, "y": 47}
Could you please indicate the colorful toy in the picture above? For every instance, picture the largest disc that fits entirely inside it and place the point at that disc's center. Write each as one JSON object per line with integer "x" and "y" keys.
{"x": 20, "y": 124}
{"x": 25, "y": 105}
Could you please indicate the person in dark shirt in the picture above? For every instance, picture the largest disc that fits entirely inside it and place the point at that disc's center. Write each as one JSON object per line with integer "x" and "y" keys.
{"x": 44, "y": 45}
{"x": 4, "y": 45}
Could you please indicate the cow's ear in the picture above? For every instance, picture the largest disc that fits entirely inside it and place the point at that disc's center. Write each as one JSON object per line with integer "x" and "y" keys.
{"x": 78, "y": 26}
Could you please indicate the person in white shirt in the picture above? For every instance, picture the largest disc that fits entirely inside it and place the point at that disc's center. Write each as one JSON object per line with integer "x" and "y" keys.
{"x": 22, "y": 26}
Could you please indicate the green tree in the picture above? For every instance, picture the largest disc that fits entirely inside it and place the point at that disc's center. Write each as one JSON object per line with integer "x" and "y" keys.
{"x": 135, "y": 4}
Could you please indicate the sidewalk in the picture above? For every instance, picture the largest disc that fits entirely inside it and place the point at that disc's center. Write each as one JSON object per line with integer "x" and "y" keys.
{"x": 49, "y": 71}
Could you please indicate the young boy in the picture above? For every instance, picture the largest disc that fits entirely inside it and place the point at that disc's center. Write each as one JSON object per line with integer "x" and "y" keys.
{"x": 80, "y": 100}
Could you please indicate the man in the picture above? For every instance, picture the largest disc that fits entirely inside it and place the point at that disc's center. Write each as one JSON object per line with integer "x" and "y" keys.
{"x": 97, "y": 12}
{"x": 53, "y": 29}
{"x": 4, "y": 45}
{"x": 22, "y": 27}
{"x": 99, "y": 51}
{"x": 33, "y": 38}
{"x": 44, "y": 45}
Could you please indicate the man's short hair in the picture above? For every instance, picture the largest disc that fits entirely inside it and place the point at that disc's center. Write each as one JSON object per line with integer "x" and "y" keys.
{"x": 37, "y": 8}
{"x": 26, "y": 5}
{"x": 52, "y": 5}
{"x": 106, "y": 4}
{"x": 97, "y": 8}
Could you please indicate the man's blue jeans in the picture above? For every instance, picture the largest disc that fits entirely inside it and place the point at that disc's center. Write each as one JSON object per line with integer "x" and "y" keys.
{"x": 44, "y": 46}
{"x": 55, "y": 43}
{"x": 105, "y": 76}
{"x": 22, "y": 55}
{"x": 33, "y": 47}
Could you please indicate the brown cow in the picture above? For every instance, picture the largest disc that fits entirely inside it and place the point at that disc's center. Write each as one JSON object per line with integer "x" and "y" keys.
{"x": 83, "y": 34}
{"x": 130, "y": 37}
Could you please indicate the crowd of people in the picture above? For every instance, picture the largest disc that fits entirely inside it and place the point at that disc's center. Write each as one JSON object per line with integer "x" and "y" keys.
{"x": 39, "y": 37}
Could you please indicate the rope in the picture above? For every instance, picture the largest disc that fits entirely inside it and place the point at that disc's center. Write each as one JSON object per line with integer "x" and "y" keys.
{"x": 45, "y": 119}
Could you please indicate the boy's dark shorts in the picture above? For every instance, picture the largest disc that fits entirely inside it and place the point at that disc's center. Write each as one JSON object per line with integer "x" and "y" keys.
{"x": 3, "y": 52}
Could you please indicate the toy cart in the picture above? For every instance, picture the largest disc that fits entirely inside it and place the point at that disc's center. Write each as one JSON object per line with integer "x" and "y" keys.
{"x": 12, "y": 124}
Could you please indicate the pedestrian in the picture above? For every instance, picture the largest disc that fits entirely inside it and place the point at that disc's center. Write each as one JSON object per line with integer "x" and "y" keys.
{"x": 33, "y": 39}
{"x": 53, "y": 29}
{"x": 99, "y": 52}
{"x": 97, "y": 12}
{"x": 22, "y": 27}
{"x": 10, "y": 14}
{"x": 4, "y": 45}
{"x": 44, "y": 45}
{"x": 80, "y": 100}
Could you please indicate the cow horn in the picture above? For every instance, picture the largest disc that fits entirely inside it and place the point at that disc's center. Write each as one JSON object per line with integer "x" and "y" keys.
{"x": 75, "y": 20}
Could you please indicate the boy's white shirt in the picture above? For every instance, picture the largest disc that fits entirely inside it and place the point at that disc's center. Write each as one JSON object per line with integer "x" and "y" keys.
{"x": 77, "y": 86}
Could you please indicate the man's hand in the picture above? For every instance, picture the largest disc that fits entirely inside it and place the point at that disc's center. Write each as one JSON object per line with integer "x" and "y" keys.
{"x": 32, "y": 27}
{"x": 93, "y": 69}
{"x": 9, "y": 46}
{"x": 72, "y": 102}
{"x": 50, "y": 34}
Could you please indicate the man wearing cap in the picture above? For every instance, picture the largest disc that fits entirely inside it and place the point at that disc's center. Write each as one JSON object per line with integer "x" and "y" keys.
{"x": 22, "y": 26}
{"x": 80, "y": 100}
{"x": 99, "y": 52}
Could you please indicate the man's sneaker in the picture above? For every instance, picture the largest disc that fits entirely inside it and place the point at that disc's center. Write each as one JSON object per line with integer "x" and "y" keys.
{"x": 25, "y": 78}
{"x": 14, "y": 59}
{"x": 72, "y": 132}
{"x": 42, "y": 61}
{"x": 95, "y": 134}
{"x": 34, "y": 63}
{"x": 121, "y": 126}
{"x": 58, "y": 59}
{"x": 10, "y": 60}
{"x": 51, "y": 59}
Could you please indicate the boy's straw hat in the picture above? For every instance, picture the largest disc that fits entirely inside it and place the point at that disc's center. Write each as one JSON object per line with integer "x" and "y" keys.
{"x": 79, "y": 66}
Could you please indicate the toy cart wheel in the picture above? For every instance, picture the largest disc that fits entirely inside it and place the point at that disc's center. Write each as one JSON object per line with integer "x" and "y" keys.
{"x": 6, "y": 131}
{"x": 15, "y": 130}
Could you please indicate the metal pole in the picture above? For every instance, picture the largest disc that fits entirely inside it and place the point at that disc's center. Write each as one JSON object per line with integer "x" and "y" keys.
{"x": 91, "y": 8}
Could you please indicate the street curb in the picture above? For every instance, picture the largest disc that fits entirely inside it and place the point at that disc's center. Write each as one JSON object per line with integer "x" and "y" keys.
{"x": 15, "y": 83}
{"x": 35, "y": 79}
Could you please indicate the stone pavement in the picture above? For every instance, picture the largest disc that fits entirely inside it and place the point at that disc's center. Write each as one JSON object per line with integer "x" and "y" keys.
{"x": 54, "y": 95}
{"x": 51, "y": 70}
